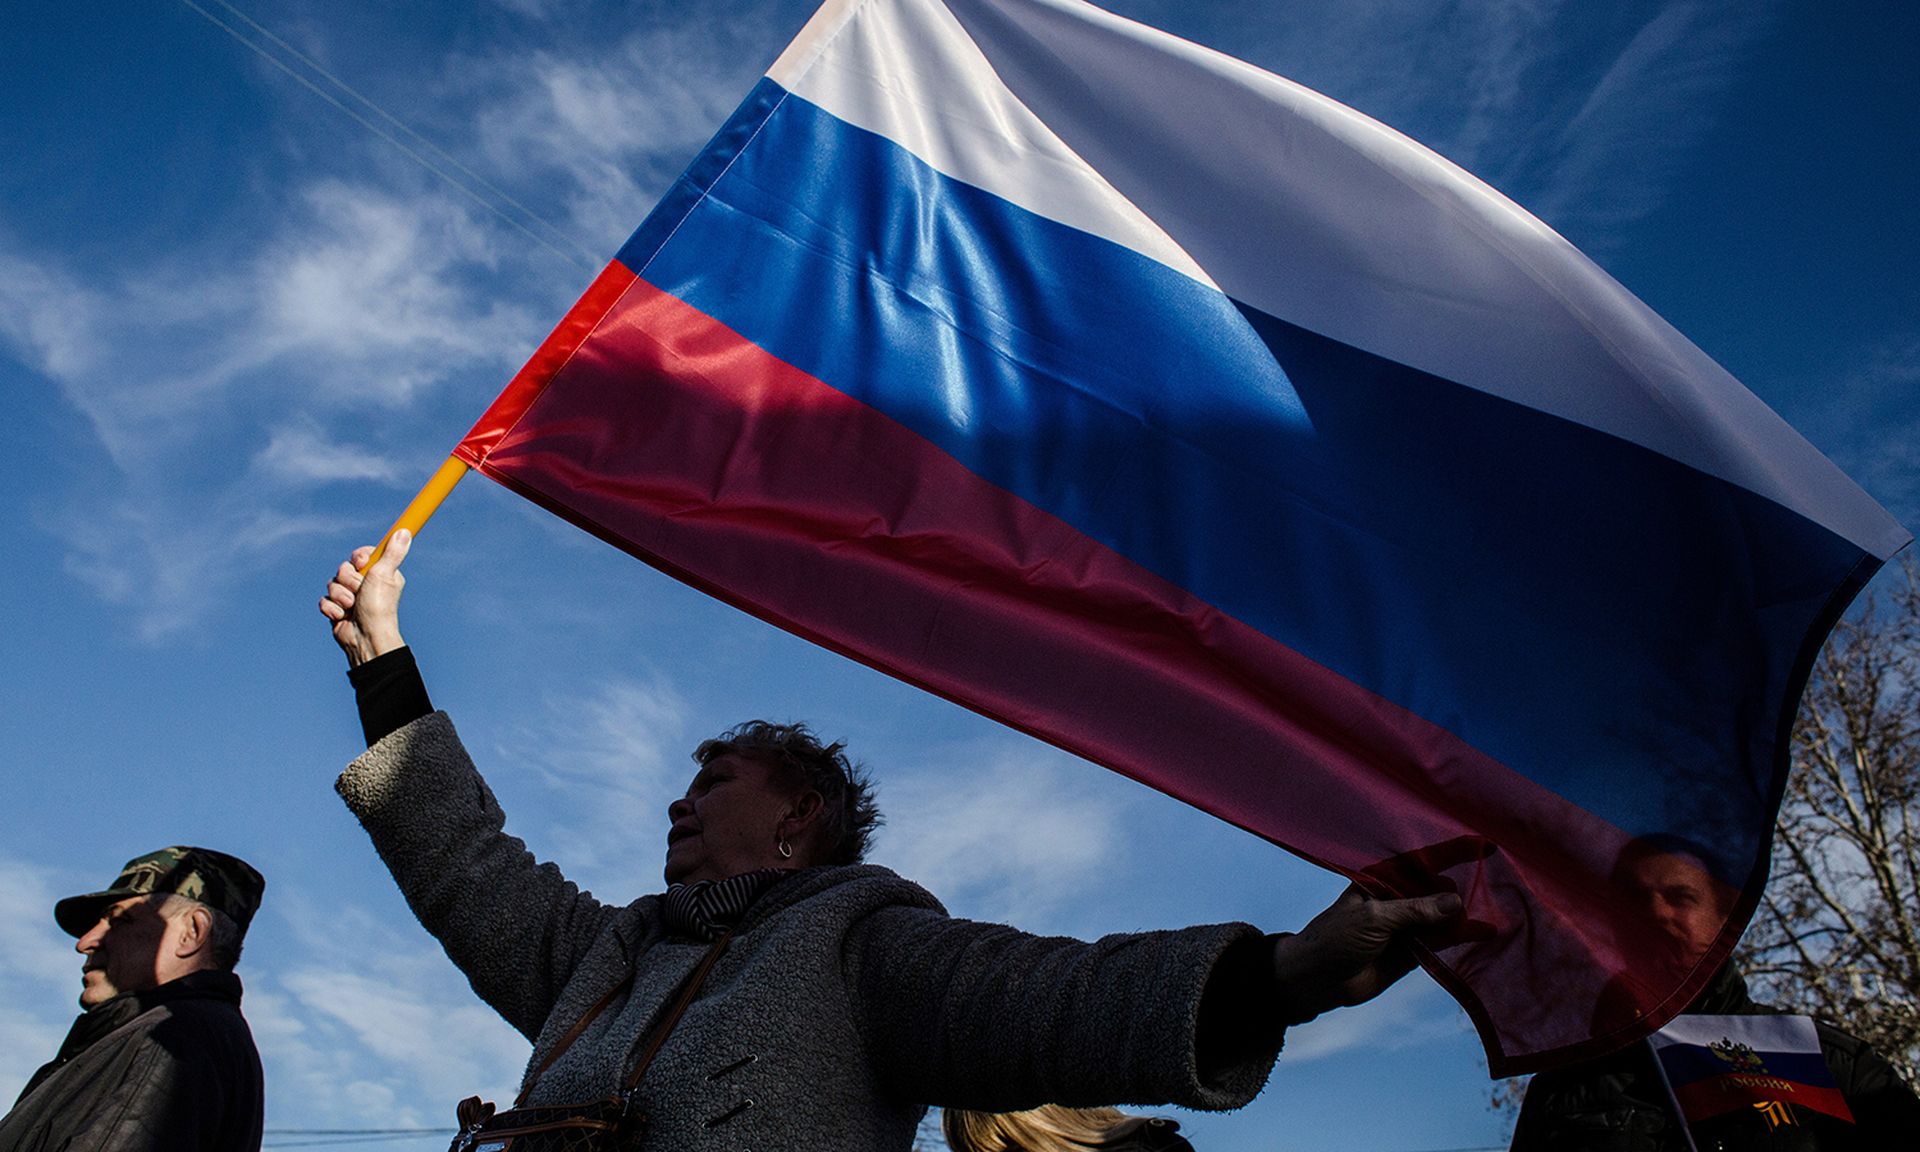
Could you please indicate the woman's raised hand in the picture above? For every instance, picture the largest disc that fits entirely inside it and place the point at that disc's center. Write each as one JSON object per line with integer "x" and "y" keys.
{"x": 365, "y": 606}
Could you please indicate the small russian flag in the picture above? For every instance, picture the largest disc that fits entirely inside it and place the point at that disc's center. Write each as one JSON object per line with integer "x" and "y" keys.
{"x": 1718, "y": 1064}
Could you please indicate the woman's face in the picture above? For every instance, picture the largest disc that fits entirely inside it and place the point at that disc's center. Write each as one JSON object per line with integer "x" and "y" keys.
{"x": 729, "y": 821}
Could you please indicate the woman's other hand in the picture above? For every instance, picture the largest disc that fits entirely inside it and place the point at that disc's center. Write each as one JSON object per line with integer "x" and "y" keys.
{"x": 1353, "y": 951}
{"x": 365, "y": 606}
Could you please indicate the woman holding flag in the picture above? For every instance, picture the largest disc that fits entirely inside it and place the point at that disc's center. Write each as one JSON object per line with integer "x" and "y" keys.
{"x": 839, "y": 999}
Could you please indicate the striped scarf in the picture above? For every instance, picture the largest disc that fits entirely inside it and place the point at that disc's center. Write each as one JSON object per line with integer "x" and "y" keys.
{"x": 707, "y": 908}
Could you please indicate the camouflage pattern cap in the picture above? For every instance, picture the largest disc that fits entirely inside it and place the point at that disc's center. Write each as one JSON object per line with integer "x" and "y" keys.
{"x": 219, "y": 881}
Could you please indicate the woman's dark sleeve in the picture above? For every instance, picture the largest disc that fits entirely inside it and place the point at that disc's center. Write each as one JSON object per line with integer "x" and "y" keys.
{"x": 390, "y": 693}
{"x": 1239, "y": 1010}
{"x": 987, "y": 1017}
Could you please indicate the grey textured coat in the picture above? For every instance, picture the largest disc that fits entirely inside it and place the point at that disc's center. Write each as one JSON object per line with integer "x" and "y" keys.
{"x": 848, "y": 1002}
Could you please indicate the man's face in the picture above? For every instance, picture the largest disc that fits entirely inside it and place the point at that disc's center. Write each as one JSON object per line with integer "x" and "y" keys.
{"x": 1681, "y": 898}
{"x": 728, "y": 822}
{"x": 130, "y": 949}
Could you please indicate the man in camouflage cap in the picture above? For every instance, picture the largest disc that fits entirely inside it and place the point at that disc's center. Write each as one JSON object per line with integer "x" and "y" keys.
{"x": 224, "y": 883}
{"x": 161, "y": 1058}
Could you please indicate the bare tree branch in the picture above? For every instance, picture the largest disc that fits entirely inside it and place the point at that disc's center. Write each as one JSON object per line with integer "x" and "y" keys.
{"x": 1837, "y": 933}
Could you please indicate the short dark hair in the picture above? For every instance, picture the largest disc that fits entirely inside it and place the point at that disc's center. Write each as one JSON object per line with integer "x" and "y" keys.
{"x": 850, "y": 813}
{"x": 1672, "y": 844}
{"x": 229, "y": 939}
{"x": 226, "y": 939}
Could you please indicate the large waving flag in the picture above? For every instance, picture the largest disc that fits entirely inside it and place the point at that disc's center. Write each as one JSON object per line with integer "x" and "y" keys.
{"x": 1195, "y": 423}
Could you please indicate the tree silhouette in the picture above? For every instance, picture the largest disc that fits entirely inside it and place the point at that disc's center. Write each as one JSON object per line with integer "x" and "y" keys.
{"x": 1837, "y": 934}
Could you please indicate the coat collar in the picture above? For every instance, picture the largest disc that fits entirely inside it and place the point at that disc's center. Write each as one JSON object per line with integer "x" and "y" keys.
{"x": 109, "y": 1016}
{"x": 202, "y": 985}
{"x": 641, "y": 927}
{"x": 1725, "y": 995}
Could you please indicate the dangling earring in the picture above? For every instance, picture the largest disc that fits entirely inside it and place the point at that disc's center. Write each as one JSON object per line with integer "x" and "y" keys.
{"x": 785, "y": 850}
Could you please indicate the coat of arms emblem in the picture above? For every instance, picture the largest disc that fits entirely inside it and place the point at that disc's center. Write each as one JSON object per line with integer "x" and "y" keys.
{"x": 1739, "y": 1056}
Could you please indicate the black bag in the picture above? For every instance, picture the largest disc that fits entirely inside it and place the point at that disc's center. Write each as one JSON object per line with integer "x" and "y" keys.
{"x": 602, "y": 1125}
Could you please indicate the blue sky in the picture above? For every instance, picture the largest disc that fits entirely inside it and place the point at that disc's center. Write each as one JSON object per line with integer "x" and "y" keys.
{"x": 237, "y": 329}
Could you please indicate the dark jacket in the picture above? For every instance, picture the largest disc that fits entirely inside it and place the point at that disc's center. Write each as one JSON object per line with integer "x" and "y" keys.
{"x": 1618, "y": 1103}
{"x": 172, "y": 1068}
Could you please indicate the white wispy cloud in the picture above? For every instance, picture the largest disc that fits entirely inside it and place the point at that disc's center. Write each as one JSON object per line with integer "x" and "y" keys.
{"x": 378, "y": 280}
{"x": 611, "y": 763}
{"x": 1457, "y": 77}
{"x": 532, "y": 9}
{"x": 358, "y": 303}
{"x": 360, "y": 297}
{"x": 1617, "y": 156}
{"x": 46, "y": 317}
{"x": 607, "y": 123}
{"x": 32, "y": 948}
{"x": 426, "y": 1035}
{"x": 301, "y": 453}
{"x": 301, "y": 347}
{"x": 1411, "y": 1013}
{"x": 31, "y": 1038}
{"x": 373, "y": 1026}
{"x": 169, "y": 557}
{"x": 1883, "y": 454}
{"x": 39, "y": 972}
{"x": 1004, "y": 831}
{"x": 1496, "y": 86}
{"x": 1504, "y": 42}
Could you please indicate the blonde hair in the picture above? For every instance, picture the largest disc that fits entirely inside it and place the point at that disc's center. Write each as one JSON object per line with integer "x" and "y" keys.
{"x": 1048, "y": 1128}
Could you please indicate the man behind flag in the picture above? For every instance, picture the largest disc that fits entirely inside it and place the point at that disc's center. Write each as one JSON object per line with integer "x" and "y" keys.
{"x": 1622, "y": 1100}
{"x": 1818, "y": 1089}
{"x": 1196, "y": 424}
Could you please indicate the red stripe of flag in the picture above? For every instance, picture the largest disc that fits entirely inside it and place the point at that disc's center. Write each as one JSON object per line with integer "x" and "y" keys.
{"x": 672, "y": 437}
{"x": 1720, "y": 1094}
{"x": 546, "y": 362}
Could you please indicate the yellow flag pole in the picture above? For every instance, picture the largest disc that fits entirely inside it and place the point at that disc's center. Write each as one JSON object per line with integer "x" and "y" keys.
{"x": 424, "y": 505}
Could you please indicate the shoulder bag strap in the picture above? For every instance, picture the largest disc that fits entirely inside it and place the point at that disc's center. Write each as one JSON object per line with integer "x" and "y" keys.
{"x": 687, "y": 996}
{"x": 573, "y": 1033}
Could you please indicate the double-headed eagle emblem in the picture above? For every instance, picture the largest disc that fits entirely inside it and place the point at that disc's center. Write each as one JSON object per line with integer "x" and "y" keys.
{"x": 1740, "y": 1057}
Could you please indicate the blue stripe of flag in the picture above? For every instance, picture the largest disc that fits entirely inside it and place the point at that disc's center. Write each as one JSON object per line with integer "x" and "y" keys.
{"x": 1687, "y": 1063}
{"x": 1475, "y": 561}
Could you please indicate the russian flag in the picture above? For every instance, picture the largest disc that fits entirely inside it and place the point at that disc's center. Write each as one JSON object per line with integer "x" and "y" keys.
{"x": 1184, "y": 418}
{"x": 1713, "y": 1065}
